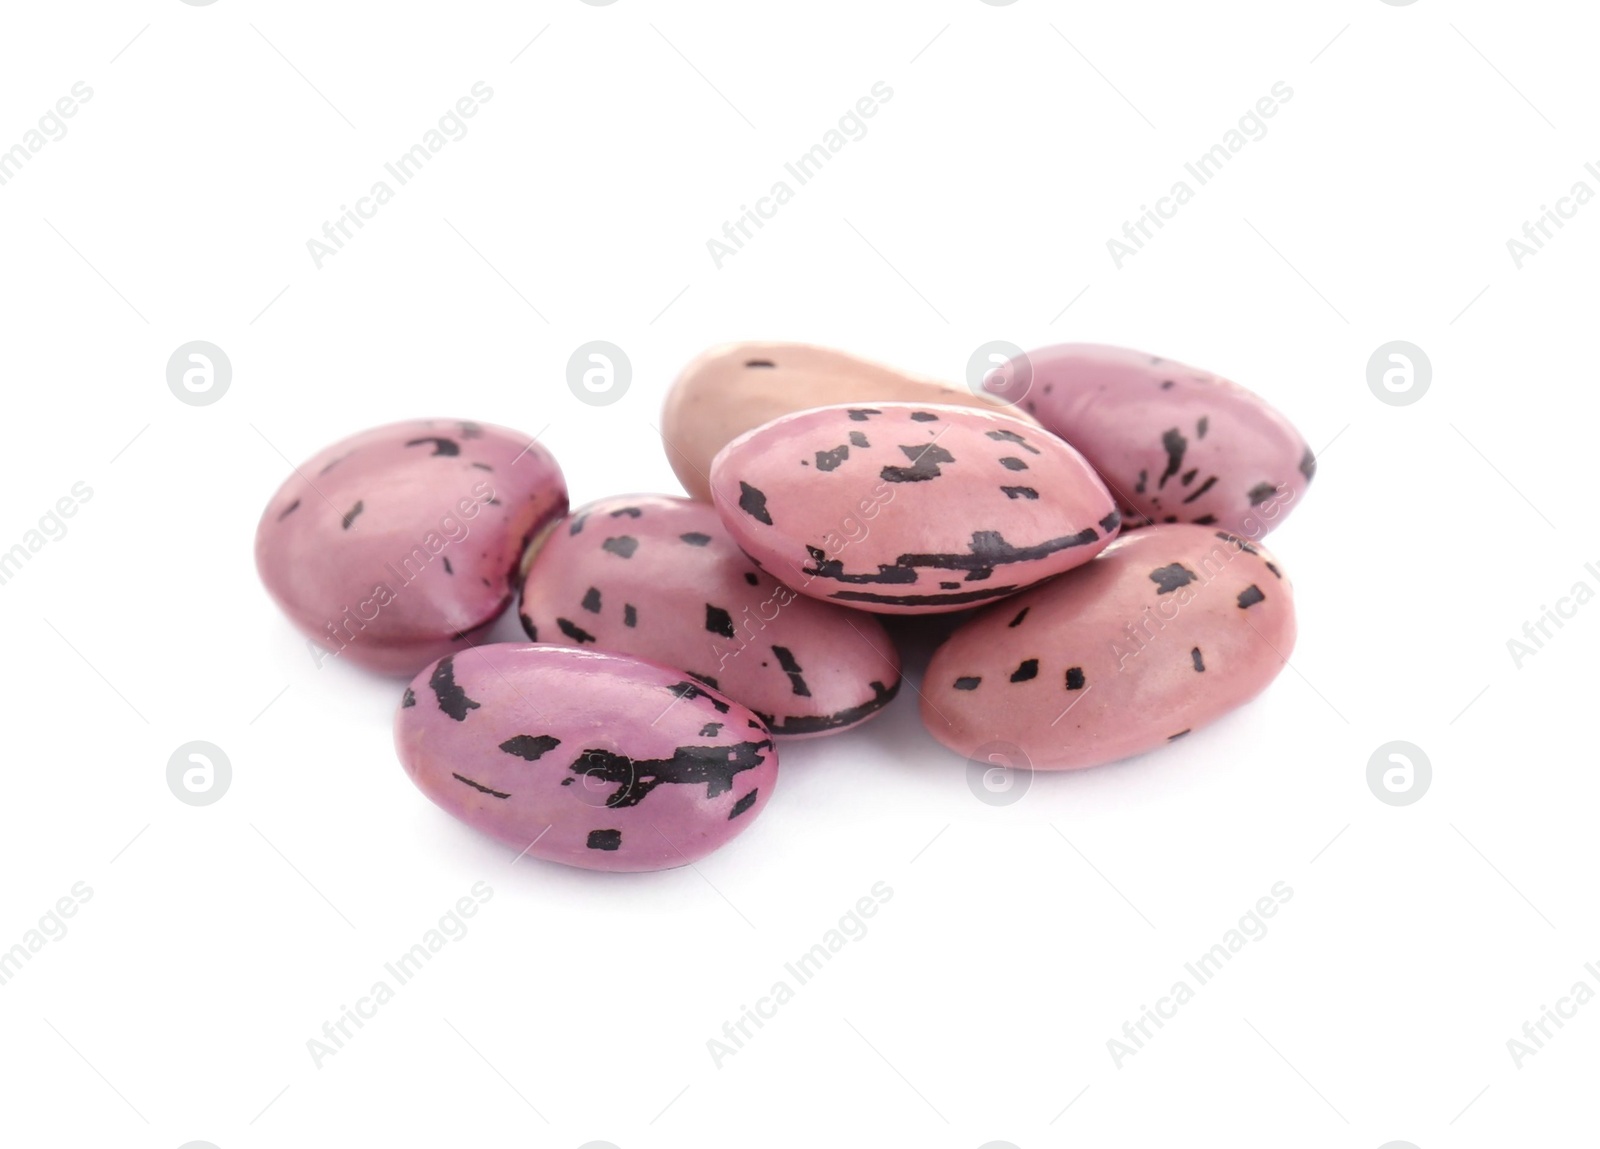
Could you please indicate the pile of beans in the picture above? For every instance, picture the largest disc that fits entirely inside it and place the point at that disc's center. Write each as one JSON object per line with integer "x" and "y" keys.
{"x": 1097, "y": 511}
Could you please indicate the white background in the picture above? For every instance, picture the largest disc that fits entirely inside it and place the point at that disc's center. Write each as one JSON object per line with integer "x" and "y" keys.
{"x": 1019, "y": 939}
